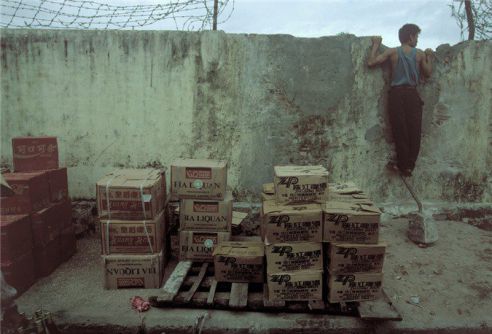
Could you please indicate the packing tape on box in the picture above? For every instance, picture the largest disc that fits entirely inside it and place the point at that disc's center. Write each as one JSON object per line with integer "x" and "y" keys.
{"x": 107, "y": 196}
{"x": 145, "y": 216}
{"x": 108, "y": 251}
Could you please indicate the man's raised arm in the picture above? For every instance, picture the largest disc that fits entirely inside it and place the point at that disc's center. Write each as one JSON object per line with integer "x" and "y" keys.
{"x": 374, "y": 58}
{"x": 426, "y": 65}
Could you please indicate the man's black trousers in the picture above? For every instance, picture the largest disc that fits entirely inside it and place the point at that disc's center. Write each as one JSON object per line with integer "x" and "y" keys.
{"x": 405, "y": 115}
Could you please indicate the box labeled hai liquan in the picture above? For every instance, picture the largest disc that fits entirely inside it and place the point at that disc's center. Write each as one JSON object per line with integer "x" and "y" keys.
{"x": 354, "y": 287}
{"x": 351, "y": 223}
{"x": 300, "y": 285}
{"x": 199, "y": 246}
{"x": 236, "y": 261}
{"x": 291, "y": 223}
{"x": 206, "y": 215}
{"x": 133, "y": 271}
{"x": 297, "y": 184}
{"x": 133, "y": 236}
{"x": 356, "y": 258}
{"x": 286, "y": 257}
{"x": 131, "y": 194}
{"x": 196, "y": 178}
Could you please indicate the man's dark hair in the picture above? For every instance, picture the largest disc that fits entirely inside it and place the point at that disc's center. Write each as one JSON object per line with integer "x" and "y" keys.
{"x": 407, "y": 30}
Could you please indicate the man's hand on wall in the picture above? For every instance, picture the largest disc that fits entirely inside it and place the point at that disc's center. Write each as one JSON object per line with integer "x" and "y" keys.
{"x": 429, "y": 54}
{"x": 377, "y": 40}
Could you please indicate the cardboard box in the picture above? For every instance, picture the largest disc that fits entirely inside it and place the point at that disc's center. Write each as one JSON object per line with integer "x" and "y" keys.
{"x": 206, "y": 215}
{"x": 300, "y": 285}
{"x": 172, "y": 222}
{"x": 269, "y": 188}
{"x": 351, "y": 223}
{"x": 58, "y": 183}
{"x": 268, "y": 193}
{"x": 291, "y": 223}
{"x": 34, "y": 153}
{"x": 133, "y": 236}
{"x": 46, "y": 225}
{"x": 68, "y": 243}
{"x": 47, "y": 258}
{"x": 195, "y": 178}
{"x": 199, "y": 246}
{"x": 354, "y": 287}
{"x": 31, "y": 193}
{"x": 133, "y": 271}
{"x": 64, "y": 212}
{"x": 236, "y": 261}
{"x": 287, "y": 257}
{"x": 19, "y": 272}
{"x": 124, "y": 191}
{"x": 16, "y": 236}
{"x": 356, "y": 258}
{"x": 344, "y": 188}
{"x": 359, "y": 198}
{"x": 301, "y": 184}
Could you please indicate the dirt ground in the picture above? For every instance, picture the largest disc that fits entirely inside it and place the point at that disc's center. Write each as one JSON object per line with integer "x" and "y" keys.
{"x": 446, "y": 288}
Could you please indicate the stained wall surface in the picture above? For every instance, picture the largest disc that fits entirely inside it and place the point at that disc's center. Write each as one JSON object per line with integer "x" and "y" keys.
{"x": 144, "y": 98}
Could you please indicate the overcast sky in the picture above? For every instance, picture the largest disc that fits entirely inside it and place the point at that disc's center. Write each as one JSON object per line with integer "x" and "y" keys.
{"x": 314, "y": 18}
{"x": 302, "y": 18}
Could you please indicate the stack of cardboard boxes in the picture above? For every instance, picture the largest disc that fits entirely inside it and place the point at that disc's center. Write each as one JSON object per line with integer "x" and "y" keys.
{"x": 351, "y": 229}
{"x": 292, "y": 232}
{"x": 36, "y": 220}
{"x": 130, "y": 205}
{"x": 205, "y": 209}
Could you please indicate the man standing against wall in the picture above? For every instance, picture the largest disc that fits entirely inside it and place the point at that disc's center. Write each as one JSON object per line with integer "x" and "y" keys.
{"x": 405, "y": 104}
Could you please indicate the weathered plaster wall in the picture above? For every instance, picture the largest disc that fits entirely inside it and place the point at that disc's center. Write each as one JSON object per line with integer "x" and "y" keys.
{"x": 143, "y": 98}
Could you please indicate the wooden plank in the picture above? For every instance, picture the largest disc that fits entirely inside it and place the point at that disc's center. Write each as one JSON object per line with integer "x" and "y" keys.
{"x": 190, "y": 280}
{"x": 200, "y": 299}
{"x": 195, "y": 285}
{"x": 171, "y": 288}
{"x": 271, "y": 303}
{"x": 211, "y": 294}
{"x": 239, "y": 295}
{"x": 379, "y": 309}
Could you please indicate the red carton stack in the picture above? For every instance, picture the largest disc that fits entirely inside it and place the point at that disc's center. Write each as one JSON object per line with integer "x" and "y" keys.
{"x": 36, "y": 221}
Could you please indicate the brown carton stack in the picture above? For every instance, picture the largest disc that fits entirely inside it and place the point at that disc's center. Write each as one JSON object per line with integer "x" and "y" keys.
{"x": 351, "y": 227}
{"x": 292, "y": 232}
{"x": 131, "y": 211}
{"x": 37, "y": 231}
{"x": 205, "y": 209}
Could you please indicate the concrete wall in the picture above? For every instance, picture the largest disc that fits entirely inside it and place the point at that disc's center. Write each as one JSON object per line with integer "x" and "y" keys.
{"x": 144, "y": 98}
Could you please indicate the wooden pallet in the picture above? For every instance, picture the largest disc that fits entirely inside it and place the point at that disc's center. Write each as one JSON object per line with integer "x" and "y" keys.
{"x": 193, "y": 285}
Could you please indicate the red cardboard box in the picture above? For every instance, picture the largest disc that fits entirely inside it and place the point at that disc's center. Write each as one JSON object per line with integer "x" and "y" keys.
{"x": 47, "y": 258}
{"x": 31, "y": 193}
{"x": 68, "y": 243}
{"x": 20, "y": 273}
{"x": 58, "y": 182}
{"x": 16, "y": 236}
{"x": 46, "y": 225}
{"x": 64, "y": 213}
{"x": 34, "y": 153}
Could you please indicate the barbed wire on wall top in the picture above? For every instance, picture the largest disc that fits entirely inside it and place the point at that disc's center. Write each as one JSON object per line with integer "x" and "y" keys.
{"x": 84, "y": 14}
